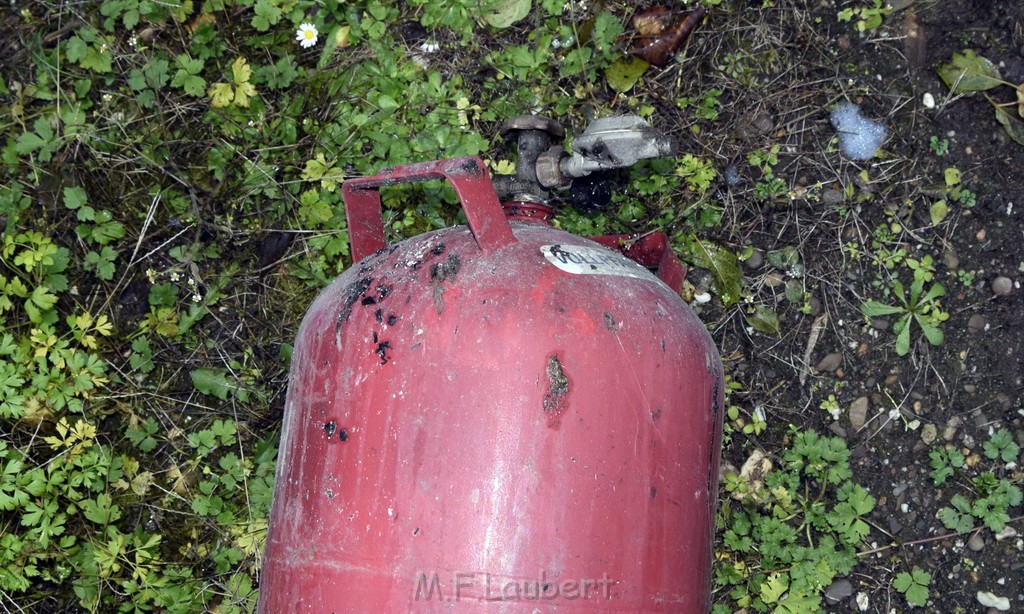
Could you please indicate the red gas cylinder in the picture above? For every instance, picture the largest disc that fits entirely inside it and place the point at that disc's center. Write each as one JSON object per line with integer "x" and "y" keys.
{"x": 499, "y": 417}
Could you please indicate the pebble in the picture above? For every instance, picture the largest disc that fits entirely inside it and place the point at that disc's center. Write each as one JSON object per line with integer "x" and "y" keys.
{"x": 989, "y": 600}
{"x": 1006, "y": 533}
{"x": 952, "y": 425}
{"x": 859, "y": 412}
{"x": 830, "y": 362}
{"x": 815, "y": 305}
{"x": 950, "y": 260}
{"x": 980, "y": 235}
{"x": 755, "y": 260}
{"x": 1001, "y": 286}
{"x": 976, "y": 542}
{"x": 970, "y": 388}
{"x": 838, "y": 590}
{"x": 832, "y": 197}
{"x": 929, "y": 433}
{"x": 977, "y": 323}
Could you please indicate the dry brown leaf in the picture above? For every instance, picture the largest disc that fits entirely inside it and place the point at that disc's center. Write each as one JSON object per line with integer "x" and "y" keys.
{"x": 665, "y": 38}
{"x": 915, "y": 43}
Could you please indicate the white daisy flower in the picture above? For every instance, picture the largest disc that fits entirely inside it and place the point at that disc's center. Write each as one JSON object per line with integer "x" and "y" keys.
{"x": 306, "y": 35}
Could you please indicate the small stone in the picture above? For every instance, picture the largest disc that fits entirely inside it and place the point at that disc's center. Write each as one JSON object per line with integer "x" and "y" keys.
{"x": 838, "y": 590}
{"x": 950, "y": 260}
{"x": 815, "y": 306}
{"x": 989, "y": 600}
{"x": 879, "y": 323}
{"x": 980, "y": 235}
{"x": 928, "y": 101}
{"x": 859, "y": 412}
{"x": 829, "y": 363}
{"x": 832, "y": 197}
{"x": 970, "y": 388}
{"x": 952, "y": 425}
{"x": 976, "y": 543}
{"x": 1001, "y": 286}
{"x": 755, "y": 260}
{"x": 977, "y": 323}
{"x": 1006, "y": 533}
{"x": 929, "y": 433}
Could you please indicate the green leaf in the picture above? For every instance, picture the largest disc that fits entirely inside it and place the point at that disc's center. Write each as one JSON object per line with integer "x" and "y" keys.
{"x": 192, "y": 84}
{"x": 936, "y": 291}
{"x": 624, "y": 74}
{"x": 76, "y": 49}
{"x": 387, "y": 103}
{"x": 212, "y": 382}
{"x": 969, "y": 72}
{"x": 75, "y": 198}
{"x": 774, "y": 588}
{"x": 267, "y": 14}
{"x": 932, "y": 333}
{"x": 280, "y": 74}
{"x": 874, "y": 309}
{"x": 40, "y": 139}
{"x": 1012, "y": 123}
{"x": 42, "y": 298}
{"x": 952, "y": 177}
{"x": 939, "y": 211}
{"x": 502, "y": 14}
{"x": 722, "y": 263}
{"x": 29, "y": 142}
{"x": 764, "y": 320}
{"x": 187, "y": 75}
{"x": 903, "y": 338}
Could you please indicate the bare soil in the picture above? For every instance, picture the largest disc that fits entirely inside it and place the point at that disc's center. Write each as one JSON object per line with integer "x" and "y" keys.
{"x": 966, "y": 387}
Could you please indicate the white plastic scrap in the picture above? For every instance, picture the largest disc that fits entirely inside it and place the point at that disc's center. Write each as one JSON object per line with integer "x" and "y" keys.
{"x": 859, "y": 137}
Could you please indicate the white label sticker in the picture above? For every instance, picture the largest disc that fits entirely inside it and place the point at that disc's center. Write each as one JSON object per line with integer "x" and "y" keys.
{"x": 583, "y": 260}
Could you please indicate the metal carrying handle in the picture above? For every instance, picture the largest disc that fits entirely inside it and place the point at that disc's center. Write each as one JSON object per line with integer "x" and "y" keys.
{"x": 652, "y": 251}
{"x": 467, "y": 175}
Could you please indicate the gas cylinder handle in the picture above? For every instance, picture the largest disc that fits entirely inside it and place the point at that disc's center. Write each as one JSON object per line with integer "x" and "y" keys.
{"x": 467, "y": 175}
{"x": 651, "y": 250}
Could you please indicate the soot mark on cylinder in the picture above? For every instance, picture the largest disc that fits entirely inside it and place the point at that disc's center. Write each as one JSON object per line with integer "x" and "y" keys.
{"x": 445, "y": 270}
{"x": 558, "y": 390}
{"x": 352, "y": 293}
{"x": 382, "y": 350}
{"x": 330, "y": 428}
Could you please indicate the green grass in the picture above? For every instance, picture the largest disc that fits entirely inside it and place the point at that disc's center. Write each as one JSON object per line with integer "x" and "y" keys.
{"x": 150, "y": 154}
